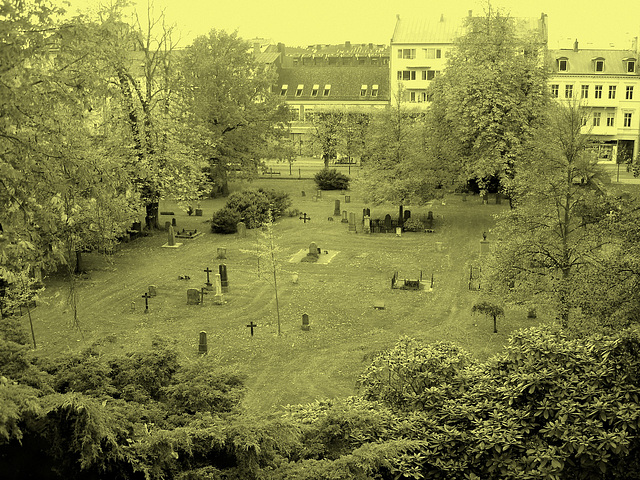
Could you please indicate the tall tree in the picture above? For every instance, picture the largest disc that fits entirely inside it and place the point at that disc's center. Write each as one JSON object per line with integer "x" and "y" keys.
{"x": 552, "y": 240}
{"x": 396, "y": 166}
{"x": 228, "y": 103}
{"x": 490, "y": 94}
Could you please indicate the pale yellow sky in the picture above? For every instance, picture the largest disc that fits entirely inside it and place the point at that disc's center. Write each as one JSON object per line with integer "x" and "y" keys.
{"x": 595, "y": 23}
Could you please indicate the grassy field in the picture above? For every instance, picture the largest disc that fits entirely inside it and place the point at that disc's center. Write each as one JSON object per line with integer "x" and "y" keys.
{"x": 346, "y": 331}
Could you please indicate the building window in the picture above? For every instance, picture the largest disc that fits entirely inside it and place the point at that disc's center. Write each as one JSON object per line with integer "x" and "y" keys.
{"x": 554, "y": 90}
{"x": 431, "y": 74}
{"x": 406, "y": 75}
{"x": 611, "y": 120}
{"x": 423, "y": 97}
{"x": 424, "y": 74}
{"x": 283, "y": 90}
{"x": 408, "y": 53}
{"x": 627, "y": 120}
{"x": 314, "y": 90}
{"x": 563, "y": 65}
{"x": 584, "y": 93}
{"x": 374, "y": 90}
{"x": 612, "y": 91}
{"x": 299, "y": 90}
{"x": 629, "y": 92}
{"x": 631, "y": 66}
{"x": 568, "y": 91}
{"x": 432, "y": 53}
{"x": 599, "y": 65}
{"x": 327, "y": 90}
{"x": 363, "y": 90}
{"x": 412, "y": 97}
{"x": 596, "y": 119}
{"x": 598, "y": 91}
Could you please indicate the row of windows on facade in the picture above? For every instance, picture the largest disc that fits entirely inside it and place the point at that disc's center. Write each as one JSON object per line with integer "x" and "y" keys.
{"x": 597, "y": 93}
{"x": 428, "y": 53}
{"x": 611, "y": 119}
{"x": 406, "y": 75}
{"x": 598, "y": 65}
{"x": 364, "y": 89}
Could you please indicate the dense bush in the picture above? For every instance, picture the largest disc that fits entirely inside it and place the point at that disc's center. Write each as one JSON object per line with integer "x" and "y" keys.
{"x": 251, "y": 207}
{"x": 331, "y": 179}
{"x": 413, "y": 225}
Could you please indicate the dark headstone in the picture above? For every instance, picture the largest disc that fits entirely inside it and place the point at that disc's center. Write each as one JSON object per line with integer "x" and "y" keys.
{"x": 347, "y": 199}
{"x": 202, "y": 344}
{"x": 173, "y": 221}
{"x": 387, "y": 222}
{"x": 313, "y": 248}
{"x": 305, "y": 322}
{"x": 224, "y": 281}
{"x": 407, "y": 215}
{"x": 193, "y": 296}
{"x": 198, "y": 212}
{"x": 336, "y": 209}
{"x": 303, "y": 194}
{"x": 153, "y": 290}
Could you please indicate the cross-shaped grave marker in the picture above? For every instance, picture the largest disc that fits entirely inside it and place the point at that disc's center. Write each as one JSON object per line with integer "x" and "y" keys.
{"x": 203, "y": 292}
{"x": 208, "y": 284}
{"x": 146, "y": 297}
{"x": 252, "y": 326}
{"x": 304, "y": 218}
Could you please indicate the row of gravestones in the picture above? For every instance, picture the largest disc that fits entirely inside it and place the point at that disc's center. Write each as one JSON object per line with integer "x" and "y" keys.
{"x": 221, "y": 286}
{"x": 203, "y": 347}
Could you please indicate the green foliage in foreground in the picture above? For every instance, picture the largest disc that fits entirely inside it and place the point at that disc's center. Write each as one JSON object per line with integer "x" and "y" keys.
{"x": 253, "y": 207}
{"x": 551, "y": 406}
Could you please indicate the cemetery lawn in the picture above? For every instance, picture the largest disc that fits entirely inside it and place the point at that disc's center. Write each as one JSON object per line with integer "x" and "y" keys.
{"x": 346, "y": 331}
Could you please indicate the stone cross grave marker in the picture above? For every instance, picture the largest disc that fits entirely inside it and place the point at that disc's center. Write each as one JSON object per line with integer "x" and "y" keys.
{"x": 305, "y": 322}
{"x": 344, "y": 217}
{"x": 352, "y": 222}
{"x": 202, "y": 344}
{"x": 241, "y": 227}
{"x": 209, "y": 286}
{"x": 193, "y": 296}
{"x": 146, "y": 297}
{"x": 304, "y": 218}
{"x": 203, "y": 292}
{"x": 153, "y": 291}
{"x": 218, "y": 297}
{"x": 336, "y": 209}
{"x": 224, "y": 281}
{"x": 252, "y": 326}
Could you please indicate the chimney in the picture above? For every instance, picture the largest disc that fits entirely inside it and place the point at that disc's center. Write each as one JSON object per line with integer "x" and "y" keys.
{"x": 256, "y": 47}
{"x": 441, "y": 17}
{"x": 347, "y": 44}
{"x": 397, "y": 16}
{"x": 575, "y": 45}
{"x": 470, "y": 13}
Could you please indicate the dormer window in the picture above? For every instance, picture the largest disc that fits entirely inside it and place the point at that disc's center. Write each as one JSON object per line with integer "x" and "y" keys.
{"x": 598, "y": 64}
{"x": 299, "y": 90}
{"x": 630, "y": 65}
{"x": 563, "y": 64}
{"x": 327, "y": 90}
{"x": 283, "y": 90}
{"x": 363, "y": 90}
{"x": 314, "y": 90}
{"x": 374, "y": 90}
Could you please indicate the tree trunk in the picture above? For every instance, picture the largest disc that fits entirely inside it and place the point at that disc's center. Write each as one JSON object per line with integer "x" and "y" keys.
{"x": 151, "y": 220}
{"x": 79, "y": 266}
{"x": 495, "y": 324}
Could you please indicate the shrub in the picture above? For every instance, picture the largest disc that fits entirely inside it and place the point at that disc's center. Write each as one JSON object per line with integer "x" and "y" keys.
{"x": 413, "y": 225}
{"x": 331, "y": 179}
{"x": 250, "y": 206}
{"x": 225, "y": 221}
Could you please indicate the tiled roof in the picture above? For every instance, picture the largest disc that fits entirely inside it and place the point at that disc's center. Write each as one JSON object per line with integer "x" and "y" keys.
{"x": 342, "y": 49}
{"x": 346, "y": 82}
{"x": 423, "y": 30}
{"x": 582, "y": 61}
{"x": 267, "y": 57}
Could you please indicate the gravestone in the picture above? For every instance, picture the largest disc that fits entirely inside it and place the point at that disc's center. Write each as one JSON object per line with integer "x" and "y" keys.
{"x": 387, "y": 222}
{"x": 407, "y": 215}
{"x": 303, "y": 194}
{"x": 336, "y": 209}
{"x": 146, "y": 297}
{"x": 352, "y": 222}
{"x": 222, "y": 252}
{"x": 485, "y": 198}
{"x": 241, "y": 227}
{"x": 313, "y": 248}
{"x": 252, "y": 326}
{"x": 173, "y": 222}
{"x": 202, "y": 344}
{"x": 464, "y": 197}
{"x": 305, "y": 322}
{"x": 344, "y": 217}
{"x": 153, "y": 290}
{"x": 218, "y": 298}
{"x": 171, "y": 240}
{"x": 367, "y": 224}
{"x": 484, "y": 247}
{"x": 429, "y": 223}
{"x": 319, "y": 194}
{"x": 167, "y": 225}
{"x": 347, "y": 199}
{"x": 398, "y": 231}
{"x": 208, "y": 284}
{"x": 224, "y": 281}
{"x": 198, "y": 212}
{"x": 193, "y": 296}
{"x": 498, "y": 198}
{"x": 294, "y": 278}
